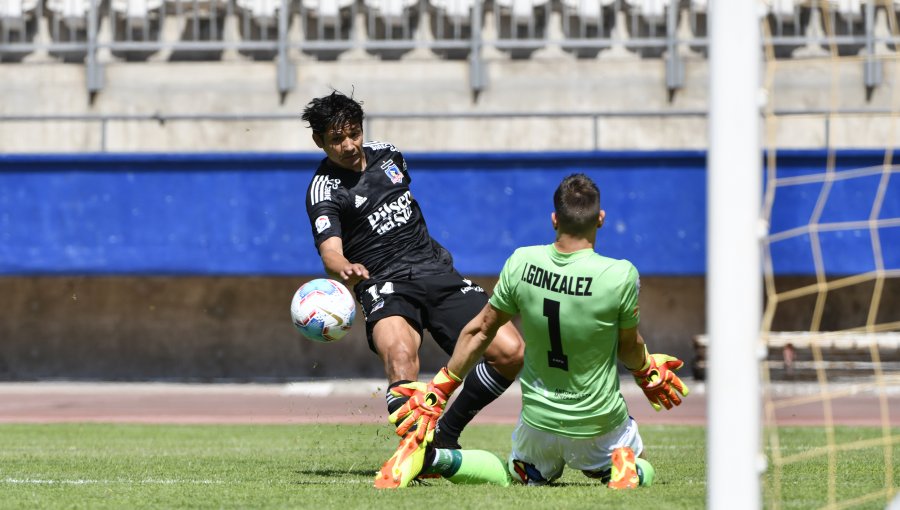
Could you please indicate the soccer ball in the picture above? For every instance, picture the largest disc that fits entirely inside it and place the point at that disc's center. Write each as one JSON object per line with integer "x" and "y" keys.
{"x": 323, "y": 310}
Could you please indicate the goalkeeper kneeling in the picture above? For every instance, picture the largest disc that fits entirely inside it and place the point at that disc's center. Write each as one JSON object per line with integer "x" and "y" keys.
{"x": 580, "y": 315}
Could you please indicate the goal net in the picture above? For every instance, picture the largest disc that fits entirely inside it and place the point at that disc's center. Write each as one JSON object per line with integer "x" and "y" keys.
{"x": 831, "y": 255}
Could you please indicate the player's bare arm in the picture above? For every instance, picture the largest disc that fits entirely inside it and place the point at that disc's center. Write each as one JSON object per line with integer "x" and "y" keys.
{"x": 475, "y": 339}
{"x": 336, "y": 264}
{"x": 631, "y": 348}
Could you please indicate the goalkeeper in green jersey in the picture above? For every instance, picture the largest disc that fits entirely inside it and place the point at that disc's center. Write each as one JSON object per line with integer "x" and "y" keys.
{"x": 579, "y": 316}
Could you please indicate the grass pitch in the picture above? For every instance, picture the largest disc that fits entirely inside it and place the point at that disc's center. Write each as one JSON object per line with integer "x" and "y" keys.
{"x": 332, "y": 466}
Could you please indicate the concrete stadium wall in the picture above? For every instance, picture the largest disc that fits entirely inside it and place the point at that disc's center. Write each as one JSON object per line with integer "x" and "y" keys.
{"x": 429, "y": 87}
{"x": 227, "y": 328}
{"x": 239, "y": 329}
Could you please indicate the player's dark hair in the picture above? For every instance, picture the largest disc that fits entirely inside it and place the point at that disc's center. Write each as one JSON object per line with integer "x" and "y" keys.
{"x": 335, "y": 110}
{"x": 577, "y": 203}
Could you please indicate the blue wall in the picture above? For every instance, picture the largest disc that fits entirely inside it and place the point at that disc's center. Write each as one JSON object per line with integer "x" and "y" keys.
{"x": 244, "y": 213}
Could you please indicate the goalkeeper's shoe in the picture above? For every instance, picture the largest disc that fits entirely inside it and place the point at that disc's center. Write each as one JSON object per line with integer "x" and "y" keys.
{"x": 404, "y": 466}
{"x": 624, "y": 472}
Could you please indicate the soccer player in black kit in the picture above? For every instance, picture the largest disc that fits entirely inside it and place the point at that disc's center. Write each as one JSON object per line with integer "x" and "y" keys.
{"x": 371, "y": 234}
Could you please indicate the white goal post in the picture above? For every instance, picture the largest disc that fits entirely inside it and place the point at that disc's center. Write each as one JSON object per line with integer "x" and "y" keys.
{"x": 734, "y": 276}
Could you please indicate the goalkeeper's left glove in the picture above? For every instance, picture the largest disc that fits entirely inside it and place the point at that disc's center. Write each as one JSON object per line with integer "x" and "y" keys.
{"x": 427, "y": 404}
{"x": 658, "y": 380}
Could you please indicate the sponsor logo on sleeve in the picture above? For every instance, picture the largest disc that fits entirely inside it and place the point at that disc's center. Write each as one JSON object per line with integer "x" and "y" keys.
{"x": 322, "y": 223}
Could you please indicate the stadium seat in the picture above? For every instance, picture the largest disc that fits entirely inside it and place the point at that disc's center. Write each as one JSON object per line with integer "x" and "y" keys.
{"x": 391, "y": 20}
{"x": 647, "y": 20}
{"x": 15, "y": 13}
{"x": 451, "y": 20}
{"x": 137, "y": 10}
{"x": 203, "y": 20}
{"x": 653, "y": 11}
{"x": 524, "y": 21}
{"x": 589, "y": 20}
{"x": 72, "y": 12}
{"x": 16, "y": 9}
{"x": 135, "y": 20}
{"x": 392, "y": 12}
{"x": 327, "y": 20}
{"x": 257, "y": 21}
{"x": 457, "y": 10}
{"x": 520, "y": 11}
{"x": 18, "y": 24}
{"x": 263, "y": 11}
{"x": 329, "y": 12}
{"x": 698, "y": 19}
{"x": 785, "y": 21}
{"x": 847, "y": 17}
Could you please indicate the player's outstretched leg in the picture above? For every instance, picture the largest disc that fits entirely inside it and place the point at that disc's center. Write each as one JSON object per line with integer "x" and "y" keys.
{"x": 468, "y": 467}
{"x": 481, "y": 387}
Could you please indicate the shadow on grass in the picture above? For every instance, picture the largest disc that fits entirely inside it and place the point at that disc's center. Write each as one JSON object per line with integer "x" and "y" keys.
{"x": 331, "y": 473}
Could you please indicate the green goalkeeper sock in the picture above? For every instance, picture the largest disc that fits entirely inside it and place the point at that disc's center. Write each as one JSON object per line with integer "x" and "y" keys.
{"x": 469, "y": 467}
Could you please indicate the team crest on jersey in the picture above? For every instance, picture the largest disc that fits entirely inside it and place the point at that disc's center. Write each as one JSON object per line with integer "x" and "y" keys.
{"x": 392, "y": 171}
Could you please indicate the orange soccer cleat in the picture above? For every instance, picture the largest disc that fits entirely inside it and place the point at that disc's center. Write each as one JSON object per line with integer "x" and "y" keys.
{"x": 624, "y": 472}
{"x": 403, "y": 466}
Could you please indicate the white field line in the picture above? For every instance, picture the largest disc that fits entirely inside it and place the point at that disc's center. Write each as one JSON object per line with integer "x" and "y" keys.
{"x": 38, "y": 481}
{"x": 148, "y": 481}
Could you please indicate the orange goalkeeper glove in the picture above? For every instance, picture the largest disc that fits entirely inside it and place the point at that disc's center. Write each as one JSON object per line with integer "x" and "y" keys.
{"x": 426, "y": 402}
{"x": 658, "y": 380}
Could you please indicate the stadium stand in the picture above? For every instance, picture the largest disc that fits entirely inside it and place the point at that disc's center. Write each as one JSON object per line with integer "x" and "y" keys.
{"x": 263, "y": 12}
{"x": 257, "y": 21}
{"x": 786, "y": 26}
{"x": 18, "y": 23}
{"x": 202, "y": 21}
{"x": 647, "y": 20}
{"x": 390, "y": 20}
{"x": 521, "y": 24}
{"x": 846, "y": 18}
{"x": 136, "y": 21}
{"x": 68, "y": 24}
{"x": 697, "y": 19}
{"x": 327, "y": 24}
{"x": 451, "y": 21}
{"x": 587, "y": 20}
{"x": 195, "y": 29}
{"x": 459, "y": 10}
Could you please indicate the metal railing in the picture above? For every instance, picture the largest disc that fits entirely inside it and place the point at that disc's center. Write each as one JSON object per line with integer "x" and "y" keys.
{"x": 103, "y": 120}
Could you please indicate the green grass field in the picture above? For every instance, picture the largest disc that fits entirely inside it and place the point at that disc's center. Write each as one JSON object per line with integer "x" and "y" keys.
{"x": 320, "y": 466}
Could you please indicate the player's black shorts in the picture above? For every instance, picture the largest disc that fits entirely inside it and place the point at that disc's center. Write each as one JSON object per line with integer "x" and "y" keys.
{"x": 442, "y": 304}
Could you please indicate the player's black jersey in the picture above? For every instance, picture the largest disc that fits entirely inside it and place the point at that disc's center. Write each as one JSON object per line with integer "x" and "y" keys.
{"x": 375, "y": 215}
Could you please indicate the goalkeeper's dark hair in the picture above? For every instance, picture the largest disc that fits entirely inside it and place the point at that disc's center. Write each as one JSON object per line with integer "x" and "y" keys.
{"x": 335, "y": 110}
{"x": 577, "y": 203}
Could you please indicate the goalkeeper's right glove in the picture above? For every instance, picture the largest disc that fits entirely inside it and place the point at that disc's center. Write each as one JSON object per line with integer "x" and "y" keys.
{"x": 658, "y": 380}
{"x": 427, "y": 404}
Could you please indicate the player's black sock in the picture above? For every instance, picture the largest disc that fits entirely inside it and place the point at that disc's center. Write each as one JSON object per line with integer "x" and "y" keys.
{"x": 482, "y": 386}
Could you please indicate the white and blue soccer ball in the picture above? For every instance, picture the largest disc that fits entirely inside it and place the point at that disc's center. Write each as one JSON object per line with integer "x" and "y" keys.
{"x": 323, "y": 310}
